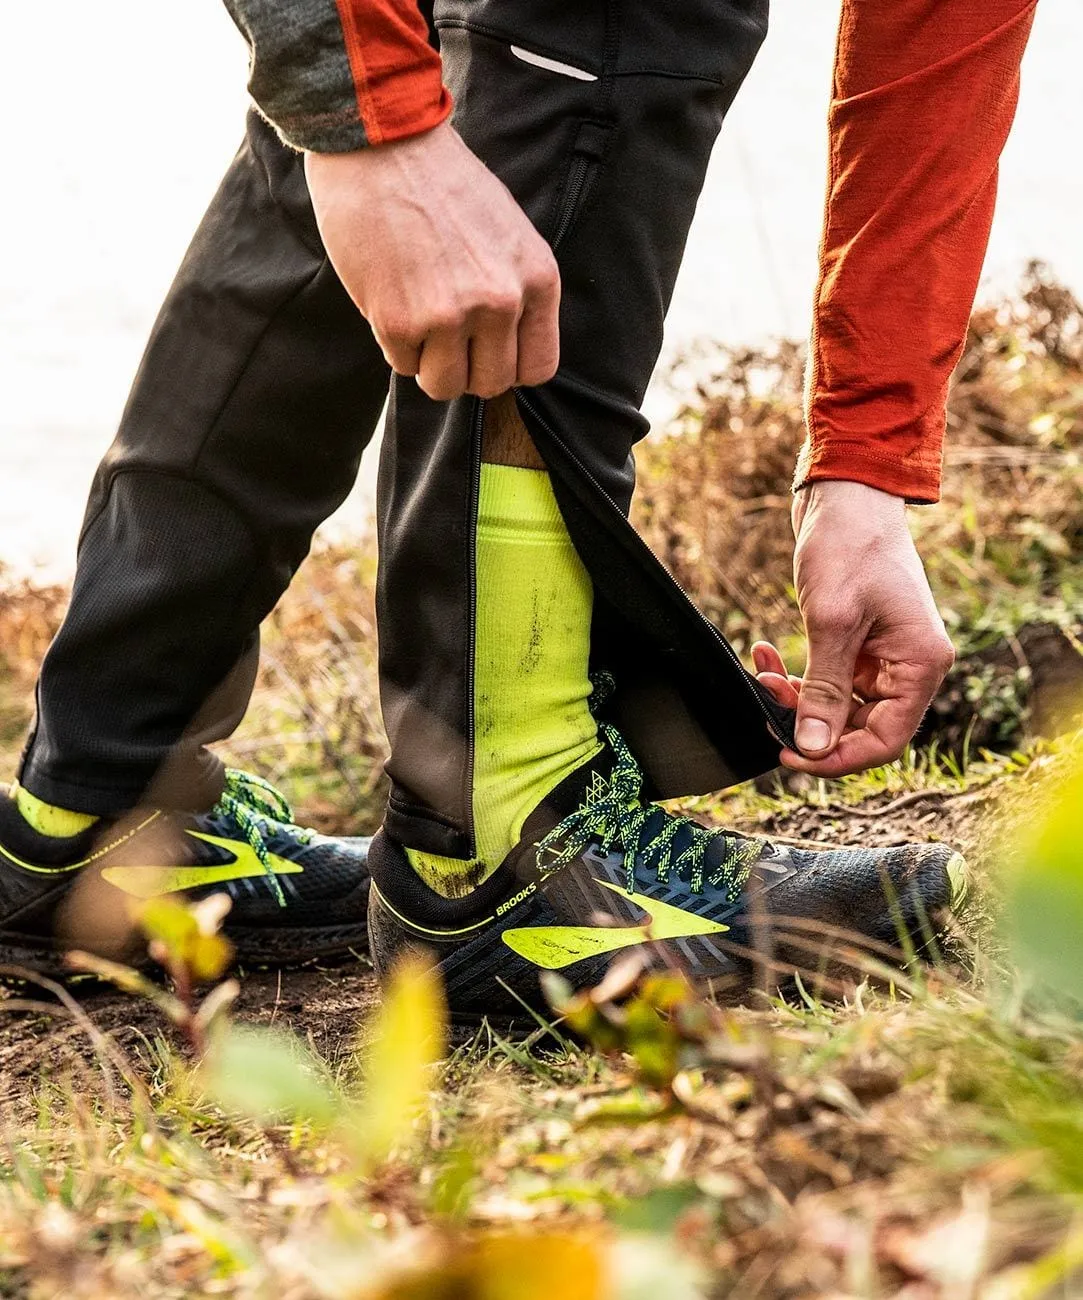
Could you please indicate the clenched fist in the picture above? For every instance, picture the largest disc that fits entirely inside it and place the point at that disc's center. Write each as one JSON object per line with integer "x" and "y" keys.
{"x": 458, "y": 286}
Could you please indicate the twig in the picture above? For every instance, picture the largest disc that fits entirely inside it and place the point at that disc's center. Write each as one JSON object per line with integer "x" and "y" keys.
{"x": 916, "y": 796}
{"x": 793, "y": 842}
{"x": 109, "y": 1055}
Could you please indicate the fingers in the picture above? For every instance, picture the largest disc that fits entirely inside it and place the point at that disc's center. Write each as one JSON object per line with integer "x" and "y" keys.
{"x": 494, "y": 355}
{"x": 772, "y": 675}
{"x": 827, "y": 689}
{"x": 871, "y": 742}
{"x": 767, "y": 659}
{"x": 444, "y": 365}
{"x": 509, "y": 342}
{"x": 878, "y": 731}
{"x": 403, "y": 357}
{"x": 782, "y": 688}
{"x": 539, "y": 332}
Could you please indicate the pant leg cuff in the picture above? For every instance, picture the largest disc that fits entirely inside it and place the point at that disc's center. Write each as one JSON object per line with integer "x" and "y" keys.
{"x": 196, "y": 789}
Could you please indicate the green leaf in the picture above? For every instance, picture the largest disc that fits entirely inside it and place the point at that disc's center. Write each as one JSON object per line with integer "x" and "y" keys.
{"x": 658, "y": 1210}
{"x": 453, "y": 1187}
{"x": 269, "y": 1076}
{"x": 1044, "y": 912}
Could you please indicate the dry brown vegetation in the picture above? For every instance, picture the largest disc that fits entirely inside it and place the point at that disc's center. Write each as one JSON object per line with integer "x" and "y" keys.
{"x": 1003, "y": 547}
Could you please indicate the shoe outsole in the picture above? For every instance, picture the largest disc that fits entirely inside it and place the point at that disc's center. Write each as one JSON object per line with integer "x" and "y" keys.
{"x": 253, "y": 950}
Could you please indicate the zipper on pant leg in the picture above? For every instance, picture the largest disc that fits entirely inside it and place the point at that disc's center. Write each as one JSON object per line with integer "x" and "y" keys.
{"x": 573, "y": 194}
{"x": 477, "y": 427}
{"x": 772, "y": 726}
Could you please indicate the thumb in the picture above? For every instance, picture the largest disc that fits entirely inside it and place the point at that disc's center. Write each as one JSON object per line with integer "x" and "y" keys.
{"x": 827, "y": 690}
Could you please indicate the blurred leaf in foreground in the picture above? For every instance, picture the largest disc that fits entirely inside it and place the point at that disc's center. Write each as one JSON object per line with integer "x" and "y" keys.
{"x": 186, "y": 936}
{"x": 650, "y": 1268}
{"x": 1044, "y": 907}
{"x": 408, "y": 1038}
{"x": 268, "y": 1075}
{"x": 506, "y": 1266}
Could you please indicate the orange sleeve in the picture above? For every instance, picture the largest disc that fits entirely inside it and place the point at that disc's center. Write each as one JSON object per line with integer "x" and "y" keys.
{"x": 924, "y": 96}
{"x": 396, "y": 71}
{"x": 338, "y": 75}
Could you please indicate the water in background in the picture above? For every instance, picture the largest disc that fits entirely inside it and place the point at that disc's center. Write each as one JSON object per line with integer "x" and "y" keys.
{"x": 120, "y": 118}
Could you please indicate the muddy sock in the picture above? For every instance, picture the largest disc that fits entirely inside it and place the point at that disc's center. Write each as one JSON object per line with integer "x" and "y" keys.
{"x": 532, "y": 726}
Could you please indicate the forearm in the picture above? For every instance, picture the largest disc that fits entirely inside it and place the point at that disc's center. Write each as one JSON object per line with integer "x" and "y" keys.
{"x": 924, "y": 96}
{"x": 337, "y": 75}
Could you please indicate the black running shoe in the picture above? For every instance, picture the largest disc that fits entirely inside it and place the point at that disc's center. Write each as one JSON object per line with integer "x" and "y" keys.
{"x": 296, "y": 895}
{"x": 598, "y": 873}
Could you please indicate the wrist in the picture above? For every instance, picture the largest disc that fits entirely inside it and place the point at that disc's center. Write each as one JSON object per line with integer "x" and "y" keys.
{"x": 848, "y": 499}
{"x": 377, "y": 155}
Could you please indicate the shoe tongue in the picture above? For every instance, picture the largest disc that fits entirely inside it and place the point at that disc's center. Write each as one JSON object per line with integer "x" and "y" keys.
{"x": 569, "y": 795}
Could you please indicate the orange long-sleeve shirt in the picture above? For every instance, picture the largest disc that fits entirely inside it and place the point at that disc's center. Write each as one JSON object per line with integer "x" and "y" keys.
{"x": 924, "y": 95}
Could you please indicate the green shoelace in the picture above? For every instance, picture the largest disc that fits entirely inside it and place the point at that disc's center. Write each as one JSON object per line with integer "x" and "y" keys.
{"x": 252, "y": 804}
{"x": 612, "y": 815}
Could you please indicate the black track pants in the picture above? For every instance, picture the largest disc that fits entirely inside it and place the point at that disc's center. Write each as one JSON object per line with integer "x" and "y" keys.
{"x": 261, "y": 385}
{"x": 600, "y": 117}
{"x": 259, "y": 389}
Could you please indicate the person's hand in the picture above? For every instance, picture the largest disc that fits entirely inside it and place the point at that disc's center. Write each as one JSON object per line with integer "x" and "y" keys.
{"x": 877, "y": 648}
{"x": 458, "y": 286}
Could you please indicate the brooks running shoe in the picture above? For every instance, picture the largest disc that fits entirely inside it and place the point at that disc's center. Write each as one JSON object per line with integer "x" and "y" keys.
{"x": 296, "y": 895}
{"x": 598, "y": 873}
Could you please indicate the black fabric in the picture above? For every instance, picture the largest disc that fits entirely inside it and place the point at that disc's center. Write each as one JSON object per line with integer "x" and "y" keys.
{"x": 20, "y": 838}
{"x": 259, "y": 388}
{"x": 261, "y": 384}
{"x": 610, "y": 171}
{"x": 407, "y": 892}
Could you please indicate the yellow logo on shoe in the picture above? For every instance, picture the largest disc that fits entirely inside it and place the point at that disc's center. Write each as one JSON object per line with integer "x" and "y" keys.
{"x": 552, "y": 947}
{"x": 153, "y": 882}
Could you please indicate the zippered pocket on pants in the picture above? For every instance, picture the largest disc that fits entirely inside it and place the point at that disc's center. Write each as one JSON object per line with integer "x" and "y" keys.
{"x": 591, "y": 142}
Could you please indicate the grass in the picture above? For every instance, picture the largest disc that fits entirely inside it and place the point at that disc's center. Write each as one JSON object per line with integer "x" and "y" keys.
{"x": 917, "y": 1137}
{"x": 925, "y": 1134}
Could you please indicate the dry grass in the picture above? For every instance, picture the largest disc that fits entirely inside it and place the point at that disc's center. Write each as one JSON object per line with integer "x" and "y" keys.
{"x": 713, "y": 495}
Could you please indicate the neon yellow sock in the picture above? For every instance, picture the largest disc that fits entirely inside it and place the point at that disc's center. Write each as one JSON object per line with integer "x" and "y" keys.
{"x": 46, "y": 818}
{"x": 532, "y": 726}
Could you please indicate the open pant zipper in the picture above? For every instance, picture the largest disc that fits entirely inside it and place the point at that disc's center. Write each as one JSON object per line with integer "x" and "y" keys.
{"x": 477, "y": 430}
{"x": 525, "y": 403}
{"x": 590, "y": 142}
